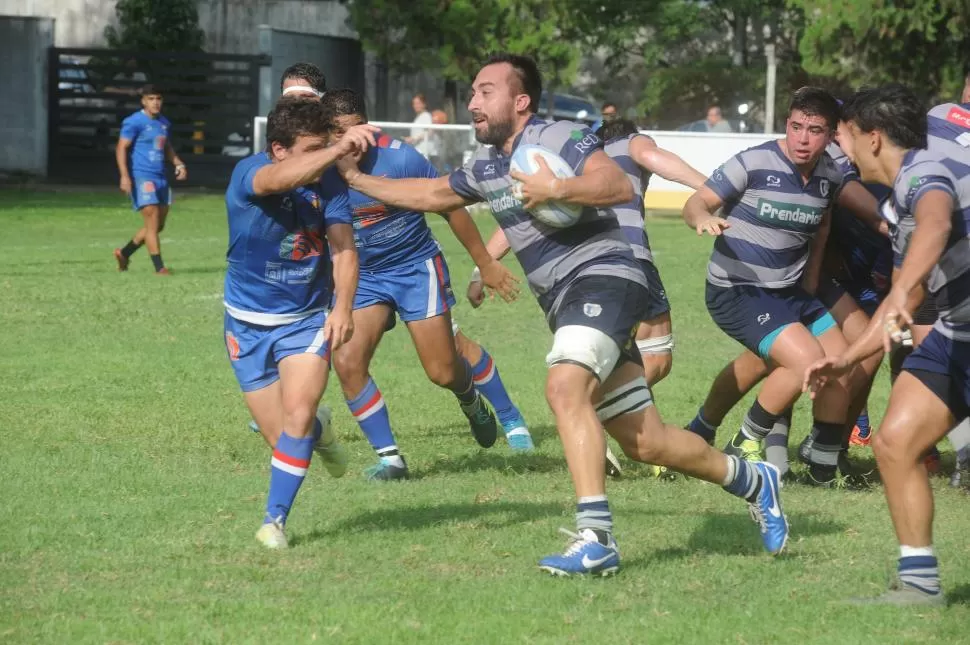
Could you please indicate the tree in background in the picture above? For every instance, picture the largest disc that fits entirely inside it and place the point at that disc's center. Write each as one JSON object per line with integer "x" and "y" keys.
{"x": 454, "y": 36}
{"x": 156, "y": 25}
{"x": 922, "y": 43}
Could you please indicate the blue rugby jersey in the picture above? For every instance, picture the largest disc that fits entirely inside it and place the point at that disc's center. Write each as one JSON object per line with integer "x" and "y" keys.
{"x": 551, "y": 257}
{"x": 387, "y": 236}
{"x": 924, "y": 171}
{"x": 774, "y": 216}
{"x": 148, "y": 136}
{"x": 630, "y": 215}
{"x": 279, "y": 260}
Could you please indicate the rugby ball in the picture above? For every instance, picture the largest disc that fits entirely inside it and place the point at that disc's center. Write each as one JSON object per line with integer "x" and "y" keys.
{"x": 555, "y": 214}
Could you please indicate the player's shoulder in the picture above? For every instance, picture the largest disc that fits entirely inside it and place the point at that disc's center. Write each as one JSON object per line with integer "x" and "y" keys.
{"x": 762, "y": 156}
{"x": 164, "y": 121}
{"x": 553, "y": 134}
{"x": 398, "y": 159}
{"x": 135, "y": 118}
{"x": 833, "y": 168}
{"x": 919, "y": 168}
{"x": 246, "y": 165}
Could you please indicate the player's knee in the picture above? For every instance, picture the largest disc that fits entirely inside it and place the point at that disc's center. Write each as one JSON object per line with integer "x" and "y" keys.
{"x": 444, "y": 372}
{"x": 566, "y": 391}
{"x": 299, "y": 417}
{"x": 350, "y": 368}
{"x": 890, "y": 448}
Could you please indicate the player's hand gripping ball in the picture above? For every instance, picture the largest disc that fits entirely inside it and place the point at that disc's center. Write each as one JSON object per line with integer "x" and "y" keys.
{"x": 552, "y": 213}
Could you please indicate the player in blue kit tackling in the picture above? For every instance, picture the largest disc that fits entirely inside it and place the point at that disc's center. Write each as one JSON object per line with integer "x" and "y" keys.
{"x": 403, "y": 273}
{"x": 929, "y": 216}
{"x": 145, "y": 138}
{"x": 289, "y": 289}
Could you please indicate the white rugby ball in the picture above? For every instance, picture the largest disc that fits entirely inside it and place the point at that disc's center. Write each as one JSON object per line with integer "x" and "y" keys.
{"x": 555, "y": 214}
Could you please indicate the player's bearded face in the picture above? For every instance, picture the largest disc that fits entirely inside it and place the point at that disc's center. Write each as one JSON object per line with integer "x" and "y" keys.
{"x": 806, "y": 136}
{"x": 492, "y": 105}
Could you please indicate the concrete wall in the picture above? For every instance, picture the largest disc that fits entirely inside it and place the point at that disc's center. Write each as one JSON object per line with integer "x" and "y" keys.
{"x": 78, "y": 23}
{"x": 23, "y": 101}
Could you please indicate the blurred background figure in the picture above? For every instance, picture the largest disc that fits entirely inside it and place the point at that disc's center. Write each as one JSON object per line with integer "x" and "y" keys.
{"x": 420, "y": 137}
{"x": 715, "y": 120}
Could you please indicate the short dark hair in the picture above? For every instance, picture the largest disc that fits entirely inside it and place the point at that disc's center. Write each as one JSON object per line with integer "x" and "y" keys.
{"x": 617, "y": 128}
{"x": 150, "y": 90}
{"x": 526, "y": 71}
{"x": 295, "y": 117}
{"x": 309, "y": 73}
{"x": 344, "y": 102}
{"x": 814, "y": 101}
{"x": 608, "y": 104}
{"x": 892, "y": 109}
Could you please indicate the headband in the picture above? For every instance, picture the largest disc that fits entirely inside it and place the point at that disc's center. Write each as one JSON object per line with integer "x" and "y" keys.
{"x": 303, "y": 88}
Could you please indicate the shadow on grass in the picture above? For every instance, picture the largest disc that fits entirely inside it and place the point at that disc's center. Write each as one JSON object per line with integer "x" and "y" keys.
{"x": 736, "y": 534}
{"x": 485, "y": 515}
{"x": 959, "y": 596}
{"x": 497, "y": 458}
{"x": 459, "y": 429}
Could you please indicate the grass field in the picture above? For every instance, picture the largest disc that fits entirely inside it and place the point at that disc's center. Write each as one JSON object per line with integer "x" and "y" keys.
{"x": 132, "y": 487}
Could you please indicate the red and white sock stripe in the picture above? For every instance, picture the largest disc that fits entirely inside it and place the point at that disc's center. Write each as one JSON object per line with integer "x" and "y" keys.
{"x": 486, "y": 374}
{"x": 290, "y": 464}
{"x": 374, "y": 405}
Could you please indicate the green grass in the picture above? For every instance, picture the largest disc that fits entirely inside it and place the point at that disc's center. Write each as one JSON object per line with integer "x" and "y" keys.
{"x": 132, "y": 488}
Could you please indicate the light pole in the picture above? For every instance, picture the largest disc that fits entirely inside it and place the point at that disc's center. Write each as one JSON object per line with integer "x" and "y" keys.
{"x": 770, "y": 89}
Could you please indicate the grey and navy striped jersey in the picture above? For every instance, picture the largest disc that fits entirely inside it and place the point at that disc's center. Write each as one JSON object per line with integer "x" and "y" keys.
{"x": 630, "y": 214}
{"x": 551, "y": 257}
{"x": 924, "y": 171}
{"x": 774, "y": 216}
{"x": 948, "y": 130}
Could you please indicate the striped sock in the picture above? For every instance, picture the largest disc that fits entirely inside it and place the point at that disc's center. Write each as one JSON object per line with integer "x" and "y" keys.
{"x": 288, "y": 467}
{"x": 776, "y": 443}
{"x": 918, "y": 569}
{"x": 371, "y": 414}
{"x": 827, "y": 443}
{"x": 593, "y": 513}
{"x": 489, "y": 384}
{"x": 701, "y": 426}
{"x": 757, "y": 423}
{"x": 743, "y": 479}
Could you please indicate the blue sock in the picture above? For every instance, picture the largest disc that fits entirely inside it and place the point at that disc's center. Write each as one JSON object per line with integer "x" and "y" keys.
{"x": 594, "y": 513}
{"x": 743, "y": 479}
{"x": 371, "y": 414}
{"x": 920, "y": 572}
{"x": 288, "y": 467}
{"x": 489, "y": 384}
{"x": 863, "y": 423}
{"x": 701, "y": 426}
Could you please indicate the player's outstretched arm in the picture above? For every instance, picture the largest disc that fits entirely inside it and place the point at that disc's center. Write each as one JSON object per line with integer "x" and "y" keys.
{"x": 306, "y": 168}
{"x": 346, "y": 266}
{"x": 498, "y": 247}
{"x": 699, "y": 212}
{"x": 860, "y": 202}
{"x": 662, "y": 162}
{"x": 417, "y": 194}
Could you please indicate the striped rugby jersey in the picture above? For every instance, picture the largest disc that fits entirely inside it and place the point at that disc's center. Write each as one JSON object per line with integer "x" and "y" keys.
{"x": 948, "y": 130}
{"x": 552, "y": 258}
{"x": 774, "y": 216}
{"x": 630, "y": 214}
{"x": 924, "y": 171}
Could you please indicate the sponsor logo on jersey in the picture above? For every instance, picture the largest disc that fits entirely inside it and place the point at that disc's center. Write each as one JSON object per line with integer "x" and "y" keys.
{"x": 796, "y": 217}
{"x": 301, "y": 245}
{"x": 502, "y": 200}
{"x": 824, "y": 186}
{"x": 148, "y": 186}
{"x": 959, "y": 116}
{"x": 160, "y": 142}
{"x": 583, "y": 142}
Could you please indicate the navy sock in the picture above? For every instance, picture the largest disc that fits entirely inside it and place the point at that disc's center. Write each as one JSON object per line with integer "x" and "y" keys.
{"x": 130, "y": 248}
{"x": 743, "y": 479}
{"x": 157, "y": 261}
{"x": 593, "y": 513}
{"x": 920, "y": 572}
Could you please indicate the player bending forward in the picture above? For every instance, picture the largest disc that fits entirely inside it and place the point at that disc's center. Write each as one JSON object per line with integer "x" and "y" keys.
{"x": 283, "y": 228}
{"x": 403, "y": 273}
{"x": 594, "y": 295}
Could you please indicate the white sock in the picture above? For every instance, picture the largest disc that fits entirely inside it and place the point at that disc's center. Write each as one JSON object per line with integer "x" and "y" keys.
{"x": 914, "y": 551}
{"x": 960, "y": 435}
